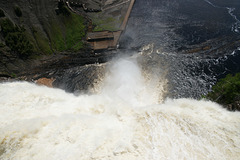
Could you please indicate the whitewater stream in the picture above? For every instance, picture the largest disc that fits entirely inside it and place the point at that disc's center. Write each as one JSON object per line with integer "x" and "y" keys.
{"x": 126, "y": 119}
{"x": 144, "y": 107}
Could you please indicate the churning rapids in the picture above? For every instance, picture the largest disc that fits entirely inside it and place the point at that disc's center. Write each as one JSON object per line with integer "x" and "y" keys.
{"x": 124, "y": 120}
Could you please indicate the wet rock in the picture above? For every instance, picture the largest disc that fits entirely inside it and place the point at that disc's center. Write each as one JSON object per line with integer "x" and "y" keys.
{"x": 234, "y": 106}
{"x": 80, "y": 79}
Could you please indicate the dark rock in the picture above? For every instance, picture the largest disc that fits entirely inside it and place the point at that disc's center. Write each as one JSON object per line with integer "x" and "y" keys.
{"x": 79, "y": 79}
{"x": 234, "y": 106}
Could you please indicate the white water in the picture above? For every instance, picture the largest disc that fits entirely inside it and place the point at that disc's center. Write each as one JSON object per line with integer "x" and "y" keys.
{"x": 123, "y": 121}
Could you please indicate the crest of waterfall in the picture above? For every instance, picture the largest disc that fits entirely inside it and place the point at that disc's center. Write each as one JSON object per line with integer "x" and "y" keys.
{"x": 124, "y": 120}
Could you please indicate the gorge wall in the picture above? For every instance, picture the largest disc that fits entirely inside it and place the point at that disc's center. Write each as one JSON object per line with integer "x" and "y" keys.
{"x": 38, "y": 29}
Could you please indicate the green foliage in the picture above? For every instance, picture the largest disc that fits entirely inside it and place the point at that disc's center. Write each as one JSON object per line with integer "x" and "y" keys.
{"x": 15, "y": 38}
{"x": 78, "y": 46}
{"x": 13, "y": 75}
{"x": 57, "y": 37}
{"x": 42, "y": 42}
{"x": 18, "y": 42}
{"x": 7, "y": 26}
{"x": 2, "y": 13}
{"x": 18, "y": 11}
{"x": 69, "y": 35}
{"x": 1, "y": 45}
{"x": 227, "y": 90}
{"x": 75, "y": 30}
{"x": 105, "y": 23}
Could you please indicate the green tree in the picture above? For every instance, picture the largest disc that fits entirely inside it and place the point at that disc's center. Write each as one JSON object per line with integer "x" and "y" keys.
{"x": 15, "y": 38}
{"x": 226, "y": 90}
{"x": 7, "y": 26}
{"x": 19, "y": 43}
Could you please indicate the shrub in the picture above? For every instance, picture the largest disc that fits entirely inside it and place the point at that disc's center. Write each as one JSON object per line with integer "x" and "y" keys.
{"x": 18, "y": 11}
{"x": 7, "y": 26}
{"x": 19, "y": 43}
{"x": 1, "y": 45}
{"x": 226, "y": 90}
{"x": 15, "y": 38}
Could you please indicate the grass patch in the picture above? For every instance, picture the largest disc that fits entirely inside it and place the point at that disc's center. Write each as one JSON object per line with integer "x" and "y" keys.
{"x": 78, "y": 46}
{"x": 75, "y": 30}
{"x": 42, "y": 42}
{"x": 104, "y": 27}
{"x": 102, "y": 24}
{"x": 68, "y": 34}
{"x": 57, "y": 37}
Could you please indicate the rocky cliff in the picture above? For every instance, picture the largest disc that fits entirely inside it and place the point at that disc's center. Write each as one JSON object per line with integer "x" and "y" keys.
{"x": 36, "y": 34}
{"x": 33, "y": 28}
{"x": 45, "y": 40}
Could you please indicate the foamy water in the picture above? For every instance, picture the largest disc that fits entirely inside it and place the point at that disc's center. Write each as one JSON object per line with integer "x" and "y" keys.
{"x": 123, "y": 121}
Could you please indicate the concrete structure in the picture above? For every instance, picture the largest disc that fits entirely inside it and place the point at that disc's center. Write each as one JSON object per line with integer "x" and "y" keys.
{"x": 107, "y": 40}
{"x": 104, "y": 40}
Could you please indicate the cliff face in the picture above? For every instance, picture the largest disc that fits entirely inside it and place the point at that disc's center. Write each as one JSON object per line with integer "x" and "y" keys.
{"x": 45, "y": 40}
{"x": 36, "y": 34}
{"x": 32, "y": 28}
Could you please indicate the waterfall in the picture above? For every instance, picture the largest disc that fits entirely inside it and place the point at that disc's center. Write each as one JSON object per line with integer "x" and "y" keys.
{"x": 124, "y": 120}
